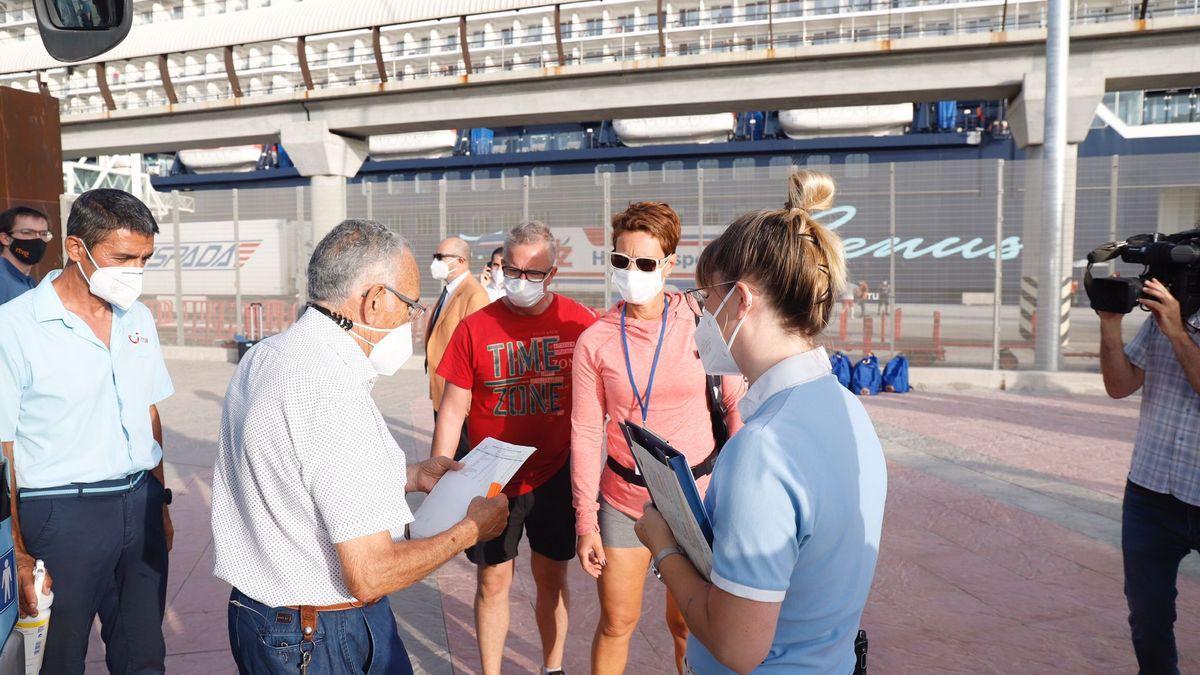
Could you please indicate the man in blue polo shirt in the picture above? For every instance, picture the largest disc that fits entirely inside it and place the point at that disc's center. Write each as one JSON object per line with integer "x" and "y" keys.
{"x": 24, "y": 234}
{"x": 81, "y": 370}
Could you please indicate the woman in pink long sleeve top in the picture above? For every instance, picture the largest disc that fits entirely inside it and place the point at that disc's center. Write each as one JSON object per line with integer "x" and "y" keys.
{"x": 661, "y": 385}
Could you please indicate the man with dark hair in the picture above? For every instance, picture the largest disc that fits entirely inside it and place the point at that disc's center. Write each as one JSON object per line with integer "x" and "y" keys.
{"x": 81, "y": 373}
{"x": 492, "y": 277}
{"x": 24, "y": 233}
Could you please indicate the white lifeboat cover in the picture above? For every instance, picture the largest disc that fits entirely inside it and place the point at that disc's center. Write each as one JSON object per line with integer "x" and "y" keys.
{"x": 424, "y": 144}
{"x": 873, "y": 120}
{"x": 235, "y": 159}
{"x": 714, "y": 128}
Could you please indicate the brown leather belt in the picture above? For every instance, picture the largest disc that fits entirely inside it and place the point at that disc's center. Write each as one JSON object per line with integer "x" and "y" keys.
{"x": 308, "y": 615}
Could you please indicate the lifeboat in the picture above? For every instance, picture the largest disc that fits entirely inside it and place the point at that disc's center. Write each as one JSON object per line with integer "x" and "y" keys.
{"x": 237, "y": 159}
{"x": 715, "y": 128}
{"x": 867, "y": 120}
{"x": 413, "y": 145}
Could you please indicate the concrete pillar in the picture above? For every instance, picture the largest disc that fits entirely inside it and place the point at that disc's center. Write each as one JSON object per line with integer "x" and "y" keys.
{"x": 1026, "y": 115}
{"x": 327, "y": 160}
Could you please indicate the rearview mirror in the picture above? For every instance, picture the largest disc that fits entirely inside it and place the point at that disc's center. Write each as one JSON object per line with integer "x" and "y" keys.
{"x": 74, "y": 30}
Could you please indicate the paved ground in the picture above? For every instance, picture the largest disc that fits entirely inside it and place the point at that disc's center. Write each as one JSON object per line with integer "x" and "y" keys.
{"x": 1000, "y": 549}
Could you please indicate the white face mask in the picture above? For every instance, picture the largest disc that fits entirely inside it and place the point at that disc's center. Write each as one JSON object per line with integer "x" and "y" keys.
{"x": 497, "y": 278}
{"x": 119, "y": 286}
{"x": 439, "y": 269}
{"x": 638, "y": 287}
{"x": 714, "y": 351}
{"x": 523, "y": 292}
{"x": 392, "y": 351}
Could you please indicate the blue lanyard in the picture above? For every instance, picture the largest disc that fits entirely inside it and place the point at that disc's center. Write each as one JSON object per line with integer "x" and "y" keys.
{"x": 644, "y": 402}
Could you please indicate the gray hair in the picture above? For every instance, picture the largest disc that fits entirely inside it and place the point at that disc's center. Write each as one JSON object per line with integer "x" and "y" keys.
{"x": 354, "y": 252}
{"x": 532, "y": 232}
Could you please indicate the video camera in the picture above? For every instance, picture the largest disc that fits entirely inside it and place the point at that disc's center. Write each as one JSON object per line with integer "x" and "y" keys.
{"x": 1172, "y": 259}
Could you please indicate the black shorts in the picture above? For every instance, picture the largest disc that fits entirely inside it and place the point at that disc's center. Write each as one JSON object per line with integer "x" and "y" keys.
{"x": 546, "y": 515}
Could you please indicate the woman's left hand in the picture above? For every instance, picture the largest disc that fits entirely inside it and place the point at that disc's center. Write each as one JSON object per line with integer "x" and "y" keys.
{"x": 653, "y": 531}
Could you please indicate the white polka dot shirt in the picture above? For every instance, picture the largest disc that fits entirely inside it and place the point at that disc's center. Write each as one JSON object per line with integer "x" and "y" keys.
{"x": 304, "y": 461}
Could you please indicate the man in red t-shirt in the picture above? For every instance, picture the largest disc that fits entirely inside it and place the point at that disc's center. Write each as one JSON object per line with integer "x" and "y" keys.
{"x": 508, "y": 374}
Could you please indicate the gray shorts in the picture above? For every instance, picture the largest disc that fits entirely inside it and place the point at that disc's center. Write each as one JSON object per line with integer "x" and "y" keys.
{"x": 616, "y": 528}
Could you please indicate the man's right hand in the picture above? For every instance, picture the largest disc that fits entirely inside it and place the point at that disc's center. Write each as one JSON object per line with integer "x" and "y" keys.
{"x": 591, "y": 554}
{"x": 28, "y": 595}
{"x": 490, "y": 516}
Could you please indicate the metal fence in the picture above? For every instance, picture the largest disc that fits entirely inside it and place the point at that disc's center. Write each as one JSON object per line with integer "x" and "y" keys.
{"x": 928, "y": 230}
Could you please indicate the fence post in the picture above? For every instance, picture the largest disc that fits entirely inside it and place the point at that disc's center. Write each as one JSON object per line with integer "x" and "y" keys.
{"x": 998, "y": 287}
{"x": 370, "y": 188}
{"x": 442, "y": 216}
{"x": 607, "y": 237}
{"x": 303, "y": 235}
{"x": 237, "y": 266}
{"x": 892, "y": 303}
{"x": 699, "y": 213}
{"x": 525, "y": 198}
{"x": 1113, "y": 191}
{"x": 175, "y": 236}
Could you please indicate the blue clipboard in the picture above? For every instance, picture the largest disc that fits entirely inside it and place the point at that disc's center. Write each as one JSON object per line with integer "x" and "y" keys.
{"x": 672, "y": 458}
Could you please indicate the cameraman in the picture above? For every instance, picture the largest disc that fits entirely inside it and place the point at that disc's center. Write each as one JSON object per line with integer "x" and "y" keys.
{"x": 1162, "y": 494}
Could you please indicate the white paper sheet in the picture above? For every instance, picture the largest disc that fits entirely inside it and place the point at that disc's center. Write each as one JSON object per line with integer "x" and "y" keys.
{"x": 668, "y": 496}
{"x": 491, "y": 461}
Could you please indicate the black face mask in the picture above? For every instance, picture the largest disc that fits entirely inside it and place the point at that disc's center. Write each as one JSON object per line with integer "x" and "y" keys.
{"x": 28, "y": 251}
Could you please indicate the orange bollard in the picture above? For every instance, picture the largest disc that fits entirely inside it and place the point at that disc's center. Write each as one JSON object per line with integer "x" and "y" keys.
{"x": 937, "y": 332}
{"x": 844, "y": 327}
{"x": 896, "y": 329}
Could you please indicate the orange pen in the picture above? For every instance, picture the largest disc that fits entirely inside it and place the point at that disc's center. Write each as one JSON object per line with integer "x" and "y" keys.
{"x": 494, "y": 490}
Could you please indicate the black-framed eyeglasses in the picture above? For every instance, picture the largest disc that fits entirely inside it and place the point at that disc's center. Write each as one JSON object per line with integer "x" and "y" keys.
{"x": 30, "y": 233}
{"x": 696, "y": 297}
{"x": 416, "y": 309}
{"x": 620, "y": 261}
{"x": 532, "y": 275}
{"x": 447, "y": 256}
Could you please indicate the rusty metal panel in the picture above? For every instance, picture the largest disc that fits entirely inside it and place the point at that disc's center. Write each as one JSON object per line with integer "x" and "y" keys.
{"x": 31, "y": 161}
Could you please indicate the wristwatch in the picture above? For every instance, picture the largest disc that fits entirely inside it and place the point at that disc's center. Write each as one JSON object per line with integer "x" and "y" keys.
{"x": 661, "y": 556}
{"x": 168, "y": 496}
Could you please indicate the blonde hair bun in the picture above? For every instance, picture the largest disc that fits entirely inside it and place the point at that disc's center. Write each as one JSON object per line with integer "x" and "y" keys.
{"x": 810, "y": 191}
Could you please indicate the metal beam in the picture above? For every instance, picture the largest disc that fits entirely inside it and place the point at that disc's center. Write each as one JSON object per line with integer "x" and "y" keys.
{"x": 562, "y": 54}
{"x": 660, "y": 17}
{"x": 377, "y": 43}
{"x": 302, "y": 57}
{"x": 102, "y": 82}
{"x": 231, "y": 72}
{"x": 164, "y": 74}
{"x": 462, "y": 43}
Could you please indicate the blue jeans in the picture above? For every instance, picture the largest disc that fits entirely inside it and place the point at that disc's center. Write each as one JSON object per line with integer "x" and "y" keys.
{"x": 1157, "y": 532}
{"x": 267, "y": 640}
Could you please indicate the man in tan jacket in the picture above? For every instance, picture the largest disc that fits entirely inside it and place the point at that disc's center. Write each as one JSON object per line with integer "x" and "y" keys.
{"x": 461, "y": 296}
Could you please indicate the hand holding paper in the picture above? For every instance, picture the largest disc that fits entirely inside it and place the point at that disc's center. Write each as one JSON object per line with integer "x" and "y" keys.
{"x": 486, "y": 469}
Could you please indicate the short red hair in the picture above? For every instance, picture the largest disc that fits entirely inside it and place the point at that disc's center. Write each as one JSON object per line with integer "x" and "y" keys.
{"x": 657, "y": 219}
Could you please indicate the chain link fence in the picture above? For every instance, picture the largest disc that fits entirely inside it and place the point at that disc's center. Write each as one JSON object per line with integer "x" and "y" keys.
{"x": 921, "y": 239}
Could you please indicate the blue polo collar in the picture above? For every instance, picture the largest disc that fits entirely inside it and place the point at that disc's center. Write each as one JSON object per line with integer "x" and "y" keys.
{"x": 47, "y": 306}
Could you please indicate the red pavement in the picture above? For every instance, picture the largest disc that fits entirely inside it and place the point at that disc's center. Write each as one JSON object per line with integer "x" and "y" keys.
{"x": 965, "y": 583}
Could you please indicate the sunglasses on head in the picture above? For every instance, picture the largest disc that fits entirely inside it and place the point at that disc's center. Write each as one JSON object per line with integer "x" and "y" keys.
{"x": 621, "y": 261}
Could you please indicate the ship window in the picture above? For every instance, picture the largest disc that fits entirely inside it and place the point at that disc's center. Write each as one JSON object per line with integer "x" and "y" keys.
{"x": 780, "y": 167}
{"x": 639, "y": 173}
{"x": 858, "y": 165}
{"x": 602, "y": 169}
{"x": 821, "y": 162}
{"x": 540, "y": 177}
{"x": 510, "y": 178}
{"x": 480, "y": 179}
{"x": 712, "y": 169}
{"x": 423, "y": 182}
{"x": 743, "y": 168}
{"x": 672, "y": 172}
{"x": 391, "y": 184}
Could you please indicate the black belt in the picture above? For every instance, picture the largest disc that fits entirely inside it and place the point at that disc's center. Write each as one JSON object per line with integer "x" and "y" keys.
{"x": 634, "y": 478}
{"x": 104, "y": 488}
